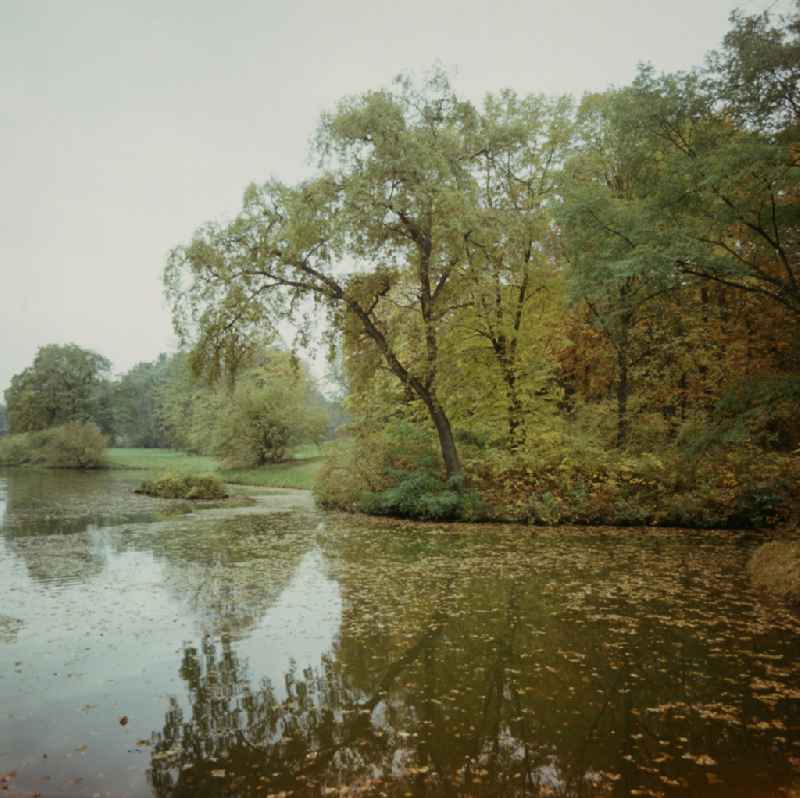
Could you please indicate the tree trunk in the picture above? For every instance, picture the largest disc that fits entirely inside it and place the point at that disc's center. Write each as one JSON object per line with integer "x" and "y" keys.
{"x": 622, "y": 396}
{"x": 447, "y": 443}
{"x": 514, "y": 408}
{"x": 622, "y": 346}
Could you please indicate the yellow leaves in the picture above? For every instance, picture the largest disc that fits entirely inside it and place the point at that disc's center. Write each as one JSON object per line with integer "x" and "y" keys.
{"x": 703, "y": 760}
{"x": 418, "y": 771}
{"x": 767, "y": 725}
{"x": 722, "y": 712}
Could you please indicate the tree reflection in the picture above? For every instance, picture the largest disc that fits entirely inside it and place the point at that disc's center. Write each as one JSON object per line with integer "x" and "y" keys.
{"x": 228, "y": 573}
{"x": 52, "y": 560}
{"x": 325, "y": 729}
{"x": 3, "y": 501}
{"x": 49, "y": 519}
{"x": 470, "y": 684}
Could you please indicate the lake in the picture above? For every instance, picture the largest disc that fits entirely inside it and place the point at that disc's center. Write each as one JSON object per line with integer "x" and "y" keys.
{"x": 277, "y": 650}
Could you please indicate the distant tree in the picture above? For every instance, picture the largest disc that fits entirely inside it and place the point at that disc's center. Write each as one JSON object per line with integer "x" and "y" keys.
{"x": 3, "y": 420}
{"x": 271, "y": 407}
{"x": 139, "y": 418}
{"x": 176, "y": 395}
{"x": 65, "y": 383}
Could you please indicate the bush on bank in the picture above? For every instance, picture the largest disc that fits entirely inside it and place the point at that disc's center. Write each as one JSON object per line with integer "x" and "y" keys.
{"x": 73, "y": 445}
{"x": 775, "y": 569}
{"x": 741, "y": 488}
{"x": 549, "y": 484}
{"x": 392, "y": 473}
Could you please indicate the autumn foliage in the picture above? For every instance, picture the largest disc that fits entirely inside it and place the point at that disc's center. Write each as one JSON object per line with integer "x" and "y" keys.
{"x": 629, "y": 353}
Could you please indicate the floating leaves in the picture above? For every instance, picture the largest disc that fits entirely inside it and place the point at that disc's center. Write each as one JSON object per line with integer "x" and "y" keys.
{"x": 700, "y": 759}
{"x": 468, "y": 660}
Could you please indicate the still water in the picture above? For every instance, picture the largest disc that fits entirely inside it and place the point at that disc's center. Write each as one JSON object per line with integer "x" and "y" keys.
{"x": 276, "y": 650}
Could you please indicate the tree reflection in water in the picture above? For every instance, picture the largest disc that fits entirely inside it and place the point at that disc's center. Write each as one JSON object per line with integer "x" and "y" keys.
{"x": 3, "y": 501}
{"x": 320, "y": 730}
{"x": 229, "y": 573}
{"x": 453, "y": 676}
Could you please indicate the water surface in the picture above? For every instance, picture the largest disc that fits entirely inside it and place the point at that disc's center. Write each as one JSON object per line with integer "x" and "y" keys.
{"x": 262, "y": 650}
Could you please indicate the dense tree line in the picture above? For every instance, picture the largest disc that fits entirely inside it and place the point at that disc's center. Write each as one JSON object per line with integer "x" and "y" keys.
{"x": 587, "y": 310}
{"x": 273, "y": 405}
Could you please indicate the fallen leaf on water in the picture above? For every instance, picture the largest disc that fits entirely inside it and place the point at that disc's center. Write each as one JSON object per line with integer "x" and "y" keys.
{"x": 123, "y": 721}
{"x": 700, "y": 759}
{"x": 705, "y": 759}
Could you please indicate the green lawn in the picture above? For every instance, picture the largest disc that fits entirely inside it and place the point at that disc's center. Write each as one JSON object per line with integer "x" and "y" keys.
{"x": 297, "y": 474}
{"x": 161, "y": 460}
{"x": 300, "y": 472}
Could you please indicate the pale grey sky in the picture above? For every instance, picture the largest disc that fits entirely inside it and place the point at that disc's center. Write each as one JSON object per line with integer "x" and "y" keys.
{"x": 125, "y": 125}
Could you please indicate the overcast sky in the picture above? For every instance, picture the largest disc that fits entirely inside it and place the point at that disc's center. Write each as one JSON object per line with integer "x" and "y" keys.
{"x": 125, "y": 125}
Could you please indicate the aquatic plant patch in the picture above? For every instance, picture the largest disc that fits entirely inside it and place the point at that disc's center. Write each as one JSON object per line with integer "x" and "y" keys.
{"x": 184, "y": 486}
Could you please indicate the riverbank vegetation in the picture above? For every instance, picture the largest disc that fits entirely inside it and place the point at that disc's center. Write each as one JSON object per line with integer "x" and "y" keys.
{"x": 544, "y": 311}
{"x": 72, "y": 445}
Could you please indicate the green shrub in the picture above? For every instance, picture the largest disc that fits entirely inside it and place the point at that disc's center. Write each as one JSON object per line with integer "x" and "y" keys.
{"x": 392, "y": 472}
{"x": 72, "y": 445}
{"x": 16, "y": 449}
{"x": 351, "y": 467}
{"x": 545, "y": 509}
{"x": 421, "y": 495}
{"x": 184, "y": 486}
{"x": 75, "y": 446}
{"x": 563, "y": 478}
{"x": 369, "y": 462}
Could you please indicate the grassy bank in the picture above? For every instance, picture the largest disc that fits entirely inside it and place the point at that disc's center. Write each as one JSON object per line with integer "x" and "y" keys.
{"x": 299, "y": 472}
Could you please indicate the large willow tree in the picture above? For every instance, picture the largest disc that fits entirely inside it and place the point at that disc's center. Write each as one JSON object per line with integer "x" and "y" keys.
{"x": 388, "y": 239}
